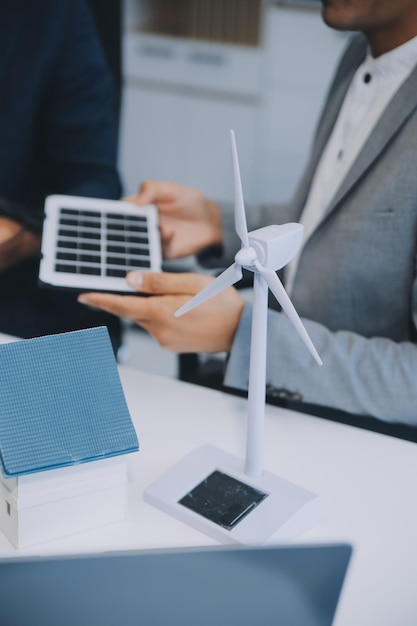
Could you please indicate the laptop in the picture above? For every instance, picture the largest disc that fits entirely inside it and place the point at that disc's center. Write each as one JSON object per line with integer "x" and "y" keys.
{"x": 262, "y": 586}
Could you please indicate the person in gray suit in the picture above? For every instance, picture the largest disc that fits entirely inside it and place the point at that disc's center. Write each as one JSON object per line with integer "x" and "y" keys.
{"x": 354, "y": 283}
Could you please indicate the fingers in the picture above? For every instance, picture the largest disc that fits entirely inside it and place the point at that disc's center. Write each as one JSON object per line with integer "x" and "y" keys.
{"x": 121, "y": 306}
{"x": 143, "y": 309}
{"x": 19, "y": 245}
{"x": 165, "y": 283}
{"x": 8, "y": 229}
{"x": 153, "y": 192}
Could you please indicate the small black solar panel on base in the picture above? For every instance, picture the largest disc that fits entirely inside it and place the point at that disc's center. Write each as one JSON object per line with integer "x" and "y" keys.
{"x": 90, "y": 243}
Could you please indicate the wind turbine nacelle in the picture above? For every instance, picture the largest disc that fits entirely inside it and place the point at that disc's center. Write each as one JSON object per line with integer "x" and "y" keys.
{"x": 276, "y": 245}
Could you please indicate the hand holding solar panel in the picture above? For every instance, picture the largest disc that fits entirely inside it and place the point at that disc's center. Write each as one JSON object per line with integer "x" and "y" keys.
{"x": 91, "y": 243}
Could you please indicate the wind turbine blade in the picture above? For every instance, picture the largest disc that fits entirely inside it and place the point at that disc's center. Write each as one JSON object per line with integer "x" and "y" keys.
{"x": 226, "y": 279}
{"x": 240, "y": 216}
{"x": 281, "y": 295}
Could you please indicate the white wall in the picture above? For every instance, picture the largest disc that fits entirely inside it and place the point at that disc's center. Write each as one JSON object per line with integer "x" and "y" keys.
{"x": 181, "y": 97}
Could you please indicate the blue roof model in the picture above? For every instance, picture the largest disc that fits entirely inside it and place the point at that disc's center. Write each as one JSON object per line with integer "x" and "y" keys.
{"x": 61, "y": 403}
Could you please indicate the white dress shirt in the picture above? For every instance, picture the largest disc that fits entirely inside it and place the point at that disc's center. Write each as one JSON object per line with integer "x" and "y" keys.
{"x": 373, "y": 86}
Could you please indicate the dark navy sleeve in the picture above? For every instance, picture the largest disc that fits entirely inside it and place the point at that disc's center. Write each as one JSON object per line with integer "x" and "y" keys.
{"x": 78, "y": 120}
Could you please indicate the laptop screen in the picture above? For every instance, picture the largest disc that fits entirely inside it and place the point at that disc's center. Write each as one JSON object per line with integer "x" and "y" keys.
{"x": 288, "y": 585}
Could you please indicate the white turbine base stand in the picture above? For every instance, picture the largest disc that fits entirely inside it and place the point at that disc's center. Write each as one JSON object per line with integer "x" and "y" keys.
{"x": 288, "y": 510}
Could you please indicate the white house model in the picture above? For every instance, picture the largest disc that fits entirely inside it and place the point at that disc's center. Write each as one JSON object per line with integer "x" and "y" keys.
{"x": 65, "y": 430}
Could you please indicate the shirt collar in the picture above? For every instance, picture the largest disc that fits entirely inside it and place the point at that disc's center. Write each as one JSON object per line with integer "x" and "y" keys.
{"x": 398, "y": 61}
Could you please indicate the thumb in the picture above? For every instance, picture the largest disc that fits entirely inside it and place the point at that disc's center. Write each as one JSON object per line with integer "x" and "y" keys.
{"x": 142, "y": 197}
{"x": 159, "y": 193}
{"x": 149, "y": 192}
{"x": 165, "y": 283}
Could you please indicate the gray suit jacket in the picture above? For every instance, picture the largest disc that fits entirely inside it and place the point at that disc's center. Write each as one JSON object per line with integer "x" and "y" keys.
{"x": 356, "y": 286}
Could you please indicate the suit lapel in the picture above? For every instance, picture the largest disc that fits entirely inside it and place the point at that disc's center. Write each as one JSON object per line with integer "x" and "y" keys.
{"x": 326, "y": 123}
{"x": 329, "y": 117}
{"x": 392, "y": 120}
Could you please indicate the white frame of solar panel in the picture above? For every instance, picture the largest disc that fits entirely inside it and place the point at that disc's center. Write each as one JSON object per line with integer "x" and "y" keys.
{"x": 54, "y": 243}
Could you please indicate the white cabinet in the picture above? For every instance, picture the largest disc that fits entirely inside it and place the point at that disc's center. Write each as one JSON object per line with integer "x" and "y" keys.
{"x": 182, "y": 95}
{"x": 169, "y": 135}
{"x": 179, "y": 101}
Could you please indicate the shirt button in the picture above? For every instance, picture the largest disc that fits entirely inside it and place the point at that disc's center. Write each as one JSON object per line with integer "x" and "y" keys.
{"x": 367, "y": 78}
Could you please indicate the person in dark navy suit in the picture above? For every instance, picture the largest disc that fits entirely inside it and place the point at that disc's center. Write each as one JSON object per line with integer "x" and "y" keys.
{"x": 58, "y": 134}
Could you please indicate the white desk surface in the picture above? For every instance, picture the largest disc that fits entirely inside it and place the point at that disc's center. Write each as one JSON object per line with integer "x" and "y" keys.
{"x": 365, "y": 481}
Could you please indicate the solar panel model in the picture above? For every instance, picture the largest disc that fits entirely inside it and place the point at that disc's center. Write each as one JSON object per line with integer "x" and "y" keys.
{"x": 91, "y": 243}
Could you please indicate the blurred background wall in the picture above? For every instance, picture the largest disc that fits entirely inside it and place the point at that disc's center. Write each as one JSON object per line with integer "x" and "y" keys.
{"x": 192, "y": 69}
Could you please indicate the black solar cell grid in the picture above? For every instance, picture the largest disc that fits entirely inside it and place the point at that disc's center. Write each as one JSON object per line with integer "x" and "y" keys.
{"x": 116, "y": 243}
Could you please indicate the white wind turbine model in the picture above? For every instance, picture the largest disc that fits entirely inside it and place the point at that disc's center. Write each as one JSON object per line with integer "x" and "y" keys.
{"x": 210, "y": 489}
